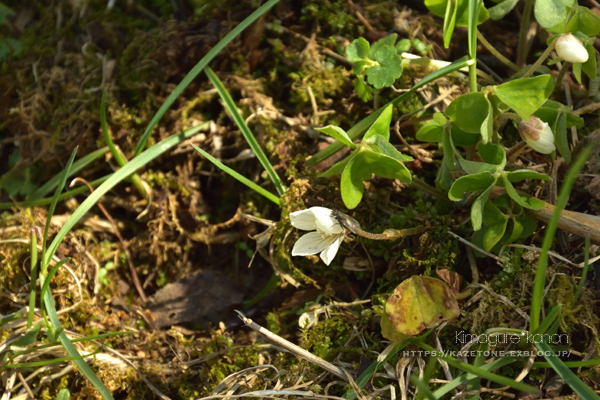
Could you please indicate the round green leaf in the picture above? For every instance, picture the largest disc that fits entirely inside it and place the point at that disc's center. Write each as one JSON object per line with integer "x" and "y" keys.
{"x": 385, "y": 166}
{"x": 492, "y": 154}
{"x": 438, "y": 7}
{"x": 468, "y": 112}
{"x": 388, "y": 40}
{"x": 462, "y": 138}
{"x": 550, "y": 13}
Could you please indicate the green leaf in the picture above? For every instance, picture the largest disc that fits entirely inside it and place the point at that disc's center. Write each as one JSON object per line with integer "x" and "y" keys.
{"x": 492, "y": 154}
{"x": 384, "y": 166}
{"x": 560, "y": 137}
{"x": 529, "y": 226}
{"x": 524, "y": 201}
{"x": 438, "y": 7}
{"x": 388, "y": 70}
{"x": 584, "y": 21}
{"x": 522, "y": 174}
{"x": 526, "y": 95}
{"x": 364, "y": 91}
{"x": 550, "y": 13}
{"x": 381, "y": 126}
{"x": 389, "y": 40}
{"x": 358, "y": 50}
{"x": 496, "y": 223}
{"x": 448, "y": 150}
{"x": 501, "y": 9}
{"x": 589, "y": 67}
{"x": 470, "y": 183}
{"x": 380, "y": 144}
{"x": 478, "y": 205}
{"x": 337, "y": 133}
{"x": 351, "y": 185}
{"x": 473, "y": 167}
{"x": 577, "y": 72}
{"x": 430, "y": 133}
{"x": 515, "y": 230}
{"x": 449, "y": 22}
{"x": 462, "y": 138}
{"x": 487, "y": 127}
{"x": 403, "y": 46}
{"x": 63, "y": 394}
{"x": 468, "y": 111}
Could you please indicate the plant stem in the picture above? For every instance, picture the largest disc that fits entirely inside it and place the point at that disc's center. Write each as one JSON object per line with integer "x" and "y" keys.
{"x": 496, "y": 53}
{"x": 561, "y": 74}
{"x": 540, "y": 60}
{"x": 522, "y": 52}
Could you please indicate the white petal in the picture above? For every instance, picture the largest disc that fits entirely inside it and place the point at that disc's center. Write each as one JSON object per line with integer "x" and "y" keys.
{"x": 325, "y": 222}
{"x": 329, "y": 253}
{"x": 312, "y": 243}
{"x": 303, "y": 219}
{"x": 569, "y": 48}
{"x": 545, "y": 142}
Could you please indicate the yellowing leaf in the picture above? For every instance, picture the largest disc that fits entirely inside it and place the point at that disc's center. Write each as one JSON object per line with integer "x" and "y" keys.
{"x": 420, "y": 303}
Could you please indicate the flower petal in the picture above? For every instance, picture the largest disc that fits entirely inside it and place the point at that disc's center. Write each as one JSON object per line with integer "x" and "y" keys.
{"x": 325, "y": 222}
{"x": 303, "y": 219}
{"x": 329, "y": 253}
{"x": 312, "y": 243}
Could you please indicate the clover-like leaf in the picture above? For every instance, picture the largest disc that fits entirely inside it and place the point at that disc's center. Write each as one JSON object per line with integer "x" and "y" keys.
{"x": 388, "y": 70}
{"x": 526, "y": 95}
{"x": 357, "y": 50}
{"x": 389, "y": 40}
{"x": 420, "y": 303}
{"x": 337, "y": 133}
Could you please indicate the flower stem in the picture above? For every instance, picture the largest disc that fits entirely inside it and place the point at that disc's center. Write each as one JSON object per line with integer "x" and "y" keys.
{"x": 496, "y": 53}
{"x": 540, "y": 60}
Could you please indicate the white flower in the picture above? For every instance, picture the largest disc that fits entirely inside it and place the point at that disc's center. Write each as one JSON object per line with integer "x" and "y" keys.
{"x": 570, "y": 49}
{"x": 537, "y": 134}
{"x": 327, "y": 237}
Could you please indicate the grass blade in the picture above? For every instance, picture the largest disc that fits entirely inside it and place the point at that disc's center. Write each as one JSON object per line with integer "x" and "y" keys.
{"x": 233, "y": 111}
{"x": 135, "y": 178}
{"x": 198, "y": 68}
{"x": 569, "y": 364}
{"x": 51, "y": 274}
{"x": 34, "y": 260}
{"x": 540, "y": 277}
{"x": 48, "y": 200}
{"x": 53, "y": 182}
{"x": 583, "y": 390}
{"x": 240, "y": 178}
{"x": 363, "y": 125}
{"x": 477, "y": 371}
{"x": 59, "y": 188}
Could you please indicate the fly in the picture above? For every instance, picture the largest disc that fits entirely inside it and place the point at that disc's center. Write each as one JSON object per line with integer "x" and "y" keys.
{"x": 353, "y": 226}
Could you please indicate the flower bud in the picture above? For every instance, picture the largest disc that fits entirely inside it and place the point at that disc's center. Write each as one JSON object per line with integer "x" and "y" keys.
{"x": 537, "y": 134}
{"x": 570, "y": 49}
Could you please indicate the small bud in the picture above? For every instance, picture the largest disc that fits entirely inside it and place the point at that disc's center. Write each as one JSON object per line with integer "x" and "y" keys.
{"x": 537, "y": 134}
{"x": 570, "y": 49}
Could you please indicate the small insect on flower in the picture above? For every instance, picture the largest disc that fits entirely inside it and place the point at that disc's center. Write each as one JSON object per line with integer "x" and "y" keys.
{"x": 327, "y": 237}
